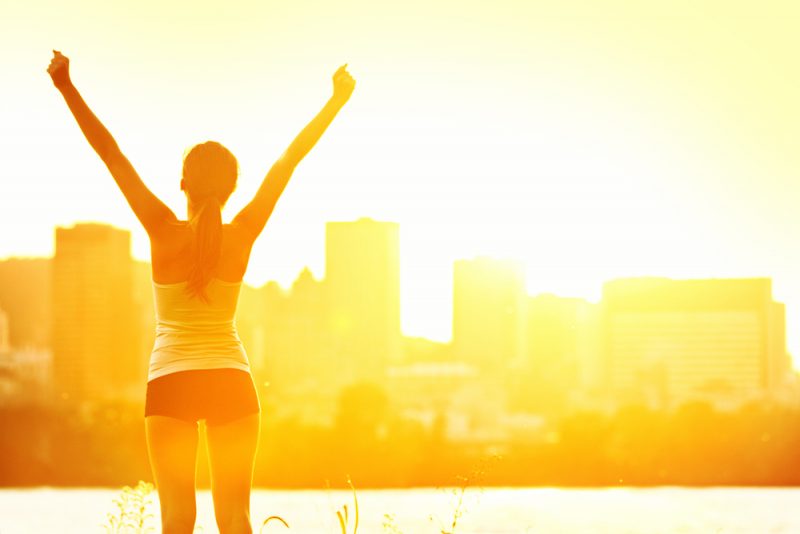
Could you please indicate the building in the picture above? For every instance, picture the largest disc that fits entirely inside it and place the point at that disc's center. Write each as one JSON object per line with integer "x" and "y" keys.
{"x": 560, "y": 356}
{"x": 252, "y": 319}
{"x": 144, "y": 308}
{"x": 308, "y": 338}
{"x": 362, "y": 291}
{"x": 97, "y": 348}
{"x": 667, "y": 342}
{"x": 301, "y": 373}
{"x": 25, "y": 297}
{"x": 25, "y": 376}
{"x": 489, "y": 308}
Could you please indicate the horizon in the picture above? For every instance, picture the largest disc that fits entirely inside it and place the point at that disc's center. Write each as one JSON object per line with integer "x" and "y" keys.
{"x": 286, "y": 287}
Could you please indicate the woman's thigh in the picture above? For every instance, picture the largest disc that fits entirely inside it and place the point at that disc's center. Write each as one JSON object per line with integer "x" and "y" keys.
{"x": 172, "y": 448}
{"x": 231, "y": 455}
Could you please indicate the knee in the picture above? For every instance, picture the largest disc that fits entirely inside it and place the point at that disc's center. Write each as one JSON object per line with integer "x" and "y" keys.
{"x": 236, "y": 524}
{"x": 180, "y": 523}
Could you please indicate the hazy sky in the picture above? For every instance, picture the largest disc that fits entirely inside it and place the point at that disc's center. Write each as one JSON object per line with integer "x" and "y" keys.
{"x": 587, "y": 139}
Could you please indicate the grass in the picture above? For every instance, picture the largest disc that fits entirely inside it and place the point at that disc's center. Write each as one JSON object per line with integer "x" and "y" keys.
{"x": 133, "y": 516}
{"x": 277, "y": 518}
{"x": 342, "y": 515}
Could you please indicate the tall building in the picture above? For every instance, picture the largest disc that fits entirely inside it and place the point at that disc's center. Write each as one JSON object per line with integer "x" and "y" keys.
{"x": 144, "y": 308}
{"x": 252, "y": 320}
{"x": 293, "y": 325}
{"x": 673, "y": 341}
{"x": 25, "y": 376}
{"x": 303, "y": 377}
{"x": 362, "y": 285}
{"x": 25, "y": 297}
{"x": 305, "y": 325}
{"x": 489, "y": 308}
{"x": 560, "y": 351}
{"x": 96, "y": 336}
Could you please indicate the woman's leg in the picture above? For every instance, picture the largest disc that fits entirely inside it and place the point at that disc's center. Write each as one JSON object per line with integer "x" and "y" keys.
{"x": 231, "y": 455}
{"x": 172, "y": 446}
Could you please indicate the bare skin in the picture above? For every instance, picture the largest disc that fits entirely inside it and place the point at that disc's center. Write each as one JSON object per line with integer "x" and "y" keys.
{"x": 172, "y": 443}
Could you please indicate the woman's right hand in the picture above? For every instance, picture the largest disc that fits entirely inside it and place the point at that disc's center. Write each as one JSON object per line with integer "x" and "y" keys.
{"x": 59, "y": 69}
{"x": 343, "y": 84}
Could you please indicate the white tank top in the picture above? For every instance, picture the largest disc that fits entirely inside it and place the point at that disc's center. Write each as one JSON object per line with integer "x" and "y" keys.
{"x": 192, "y": 334}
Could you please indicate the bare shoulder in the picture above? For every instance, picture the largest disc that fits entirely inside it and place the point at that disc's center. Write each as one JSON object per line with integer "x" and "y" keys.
{"x": 173, "y": 238}
{"x": 238, "y": 233}
{"x": 178, "y": 233}
{"x": 171, "y": 252}
{"x": 236, "y": 247}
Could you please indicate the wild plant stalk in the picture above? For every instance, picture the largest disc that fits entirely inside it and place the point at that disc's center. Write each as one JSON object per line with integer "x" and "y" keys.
{"x": 458, "y": 509}
{"x": 132, "y": 513}
{"x": 277, "y": 518}
{"x": 390, "y": 524}
{"x": 342, "y": 514}
{"x": 460, "y": 492}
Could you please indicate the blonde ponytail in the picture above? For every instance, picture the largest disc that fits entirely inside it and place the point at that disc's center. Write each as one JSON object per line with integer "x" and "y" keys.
{"x": 207, "y": 249}
{"x": 209, "y": 178}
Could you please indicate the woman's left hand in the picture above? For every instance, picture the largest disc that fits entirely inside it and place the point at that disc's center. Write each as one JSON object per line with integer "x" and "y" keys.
{"x": 59, "y": 69}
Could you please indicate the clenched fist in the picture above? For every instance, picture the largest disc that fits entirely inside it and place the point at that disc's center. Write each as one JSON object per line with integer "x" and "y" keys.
{"x": 343, "y": 84}
{"x": 59, "y": 69}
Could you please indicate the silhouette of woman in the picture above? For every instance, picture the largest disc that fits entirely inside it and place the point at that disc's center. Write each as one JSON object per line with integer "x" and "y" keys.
{"x": 198, "y": 367}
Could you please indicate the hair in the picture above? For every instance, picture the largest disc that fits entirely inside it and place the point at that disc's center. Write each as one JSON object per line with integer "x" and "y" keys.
{"x": 209, "y": 174}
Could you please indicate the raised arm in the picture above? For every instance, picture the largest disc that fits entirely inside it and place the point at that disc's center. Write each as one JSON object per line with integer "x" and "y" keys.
{"x": 151, "y": 212}
{"x": 254, "y": 215}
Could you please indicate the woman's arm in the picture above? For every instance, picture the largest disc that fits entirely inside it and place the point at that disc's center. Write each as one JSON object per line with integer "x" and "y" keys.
{"x": 151, "y": 212}
{"x": 254, "y": 215}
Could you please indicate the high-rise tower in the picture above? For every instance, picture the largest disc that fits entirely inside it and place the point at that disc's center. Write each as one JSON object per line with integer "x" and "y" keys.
{"x": 95, "y": 332}
{"x": 362, "y": 284}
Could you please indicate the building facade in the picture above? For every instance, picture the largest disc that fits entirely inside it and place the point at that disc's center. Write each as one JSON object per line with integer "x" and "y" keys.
{"x": 489, "y": 314}
{"x": 96, "y": 330}
{"x": 362, "y": 293}
{"x": 672, "y": 341}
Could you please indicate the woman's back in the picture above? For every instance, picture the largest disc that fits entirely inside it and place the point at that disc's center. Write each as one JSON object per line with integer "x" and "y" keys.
{"x": 172, "y": 260}
{"x": 192, "y": 333}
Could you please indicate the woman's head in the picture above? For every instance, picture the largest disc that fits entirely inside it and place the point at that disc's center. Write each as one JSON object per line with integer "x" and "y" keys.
{"x": 209, "y": 177}
{"x": 209, "y": 170}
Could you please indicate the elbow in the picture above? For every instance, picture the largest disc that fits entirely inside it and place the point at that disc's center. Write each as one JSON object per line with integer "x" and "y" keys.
{"x": 288, "y": 161}
{"x": 108, "y": 151}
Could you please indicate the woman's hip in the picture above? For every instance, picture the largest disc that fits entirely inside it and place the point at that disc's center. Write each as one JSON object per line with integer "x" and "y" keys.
{"x": 216, "y": 395}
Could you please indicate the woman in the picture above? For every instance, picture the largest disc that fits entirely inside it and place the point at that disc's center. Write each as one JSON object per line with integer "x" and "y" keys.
{"x": 198, "y": 368}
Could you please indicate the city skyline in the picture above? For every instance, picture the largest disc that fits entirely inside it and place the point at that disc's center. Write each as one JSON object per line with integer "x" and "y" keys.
{"x": 650, "y": 340}
{"x": 446, "y": 332}
{"x": 327, "y": 355}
